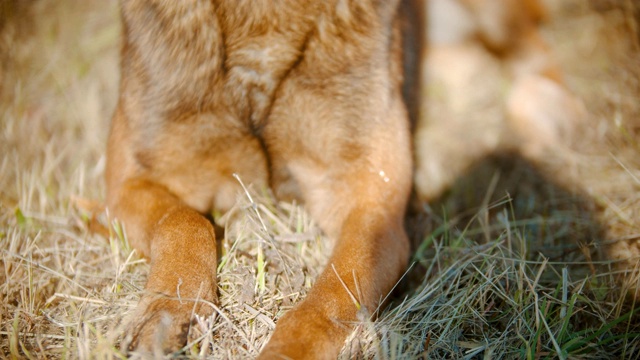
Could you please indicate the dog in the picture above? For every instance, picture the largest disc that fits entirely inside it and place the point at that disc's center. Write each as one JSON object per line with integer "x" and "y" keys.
{"x": 305, "y": 97}
{"x": 316, "y": 99}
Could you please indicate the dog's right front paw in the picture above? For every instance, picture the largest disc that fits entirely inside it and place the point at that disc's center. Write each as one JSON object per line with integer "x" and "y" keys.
{"x": 160, "y": 326}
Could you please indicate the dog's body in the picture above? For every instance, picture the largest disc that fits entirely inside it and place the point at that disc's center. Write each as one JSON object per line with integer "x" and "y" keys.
{"x": 302, "y": 96}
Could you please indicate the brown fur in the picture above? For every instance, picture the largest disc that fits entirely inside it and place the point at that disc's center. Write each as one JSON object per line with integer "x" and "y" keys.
{"x": 303, "y": 96}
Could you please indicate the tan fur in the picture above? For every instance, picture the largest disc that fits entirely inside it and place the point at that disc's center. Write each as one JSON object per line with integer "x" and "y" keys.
{"x": 303, "y": 96}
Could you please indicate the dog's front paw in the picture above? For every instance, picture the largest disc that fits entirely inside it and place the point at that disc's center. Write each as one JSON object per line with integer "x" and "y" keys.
{"x": 161, "y": 325}
{"x": 306, "y": 333}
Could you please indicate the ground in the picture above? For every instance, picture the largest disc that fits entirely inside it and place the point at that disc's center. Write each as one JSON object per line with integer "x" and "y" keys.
{"x": 518, "y": 258}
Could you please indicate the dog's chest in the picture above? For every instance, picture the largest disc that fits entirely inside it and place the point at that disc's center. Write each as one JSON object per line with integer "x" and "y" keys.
{"x": 225, "y": 57}
{"x": 261, "y": 47}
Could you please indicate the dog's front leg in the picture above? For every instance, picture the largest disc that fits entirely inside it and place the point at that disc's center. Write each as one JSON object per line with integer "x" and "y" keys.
{"x": 181, "y": 246}
{"x": 368, "y": 259}
{"x": 355, "y": 180}
{"x": 179, "y": 242}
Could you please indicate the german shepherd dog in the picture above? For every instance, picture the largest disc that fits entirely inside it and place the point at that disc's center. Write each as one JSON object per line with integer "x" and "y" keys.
{"x": 304, "y": 96}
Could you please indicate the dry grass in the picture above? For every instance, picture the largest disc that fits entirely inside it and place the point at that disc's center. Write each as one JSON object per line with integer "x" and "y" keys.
{"x": 537, "y": 267}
